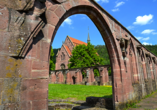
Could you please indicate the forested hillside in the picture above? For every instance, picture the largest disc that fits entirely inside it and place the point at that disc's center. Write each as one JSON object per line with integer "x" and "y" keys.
{"x": 152, "y": 48}
{"x": 55, "y": 53}
{"x": 103, "y": 53}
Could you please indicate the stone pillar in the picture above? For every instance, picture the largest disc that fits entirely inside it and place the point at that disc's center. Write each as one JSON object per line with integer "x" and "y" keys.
{"x": 88, "y": 76}
{"x": 92, "y": 75}
{"x": 77, "y": 76}
{"x": 53, "y": 77}
{"x": 60, "y": 78}
{"x": 67, "y": 77}
{"x": 102, "y": 76}
{"x": 151, "y": 68}
{"x": 106, "y": 75}
{"x": 81, "y": 78}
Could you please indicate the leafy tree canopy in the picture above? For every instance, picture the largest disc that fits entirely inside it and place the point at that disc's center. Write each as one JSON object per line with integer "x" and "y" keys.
{"x": 84, "y": 56}
{"x": 52, "y": 65}
{"x": 103, "y": 53}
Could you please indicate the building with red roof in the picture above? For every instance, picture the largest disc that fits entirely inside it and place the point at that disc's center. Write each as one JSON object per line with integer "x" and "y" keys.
{"x": 65, "y": 52}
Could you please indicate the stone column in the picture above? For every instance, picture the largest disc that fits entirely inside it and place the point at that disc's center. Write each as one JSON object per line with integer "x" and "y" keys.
{"x": 106, "y": 75}
{"x": 92, "y": 75}
{"x": 88, "y": 77}
{"x": 67, "y": 77}
{"x": 81, "y": 78}
{"x": 102, "y": 76}
{"x": 53, "y": 77}
{"x": 77, "y": 76}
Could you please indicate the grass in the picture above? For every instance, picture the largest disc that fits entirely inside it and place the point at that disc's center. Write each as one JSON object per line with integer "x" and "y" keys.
{"x": 78, "y": 92}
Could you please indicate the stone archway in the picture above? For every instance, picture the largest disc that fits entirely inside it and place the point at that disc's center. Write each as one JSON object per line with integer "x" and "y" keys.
{"x": 57, "y": 14}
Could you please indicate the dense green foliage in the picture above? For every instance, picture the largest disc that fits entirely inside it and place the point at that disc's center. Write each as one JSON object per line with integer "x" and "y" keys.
{"x": 52, "y": 65}
{"x": 84, "y": 56}
{"x": 78, "y": 92}
{"x": 55, "y": 51}
{"x": 152, "y": 48}
{"x": 96, "y": 72}
{"x": 103, "y": 53}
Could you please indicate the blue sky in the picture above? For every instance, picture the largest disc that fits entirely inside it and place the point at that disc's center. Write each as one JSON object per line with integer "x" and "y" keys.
{"x": 138, "y": 16}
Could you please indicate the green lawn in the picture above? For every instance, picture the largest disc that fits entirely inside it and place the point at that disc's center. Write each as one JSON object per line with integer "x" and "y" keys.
{"x": 77, "y": 92}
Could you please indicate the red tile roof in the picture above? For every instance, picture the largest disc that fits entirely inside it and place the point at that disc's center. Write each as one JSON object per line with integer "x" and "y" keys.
{"x": 68, "y": 50}
{"x": 77, "y": 42}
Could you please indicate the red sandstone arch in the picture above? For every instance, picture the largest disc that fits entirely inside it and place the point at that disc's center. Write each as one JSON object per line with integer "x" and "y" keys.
{"x": 56, "y": 14}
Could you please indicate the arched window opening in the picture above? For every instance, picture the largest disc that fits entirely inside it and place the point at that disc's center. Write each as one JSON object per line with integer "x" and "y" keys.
{"x": 96, "y": 72}
{"x": 83, "y": 71}
{"x": 74, "y": 80}
{"x": 62, "y": 66}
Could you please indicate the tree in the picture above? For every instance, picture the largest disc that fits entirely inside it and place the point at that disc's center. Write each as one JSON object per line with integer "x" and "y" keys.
{"x": 52, "y": 65}
{"x": 84, "y": 56}
{"x": 103, "y": 53}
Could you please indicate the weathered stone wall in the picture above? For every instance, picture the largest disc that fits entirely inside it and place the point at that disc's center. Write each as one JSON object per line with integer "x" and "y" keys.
{"x": 74, "y": 76}
{"x": 27, "y": 29}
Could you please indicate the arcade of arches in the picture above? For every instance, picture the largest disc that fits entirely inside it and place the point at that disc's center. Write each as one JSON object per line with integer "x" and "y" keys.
{"x": 27, "y": 29}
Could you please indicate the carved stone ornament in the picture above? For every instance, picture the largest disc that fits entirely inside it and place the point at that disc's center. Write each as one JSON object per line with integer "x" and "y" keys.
{"x": 18, "y": 4}
{"x": 22, "y": 26}
{"x": 124, "y": 43}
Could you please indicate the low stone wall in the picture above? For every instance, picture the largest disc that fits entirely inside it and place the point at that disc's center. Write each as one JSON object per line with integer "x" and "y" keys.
{"x": 74, "y": 76}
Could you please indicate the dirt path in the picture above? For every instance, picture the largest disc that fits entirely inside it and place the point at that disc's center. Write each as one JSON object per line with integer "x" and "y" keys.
{"x": 149, "y": 103}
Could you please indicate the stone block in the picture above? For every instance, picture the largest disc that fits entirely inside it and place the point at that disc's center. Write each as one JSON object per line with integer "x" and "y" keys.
{"x": 18, "y": 5}
{"x": 4, "y": 17}
{"x": 60, "y": 11}
{"x": 11, "y": 106}
{"x": 11, "y": 91}
{"x": 45, "y": 48}
{"x": 53, "y": 7}
{"x": 40, "y": 105}
{"x": 40, "y": 74}
{"x": 40, "y": 65}
{"x": 25, "y": 105}
{"x": 52, "y": 18}
{"x": 33, "y": 84}
{"x": 37, "y": 94}
{"x": 67, "y": 5}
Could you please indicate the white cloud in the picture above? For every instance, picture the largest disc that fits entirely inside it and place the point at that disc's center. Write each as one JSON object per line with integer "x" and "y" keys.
{"x": 130, "y": 27}
{"x": 154, "y": 33}
{"x": 145, "y": 43}
{"x": 83, "y": 18}
{"x": 104, "y": 1}
{"x": 147, "y": 31}
{"x": 116, "y": 9}
{"x": 147, "y": 38}
{"x": 119, "y": 4}
{"x": 143, "y": 20}
{"x": 67, "y": 21}
{"x": 139, "y": 38}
